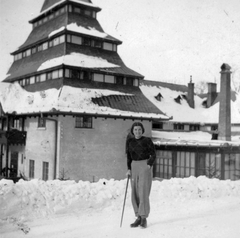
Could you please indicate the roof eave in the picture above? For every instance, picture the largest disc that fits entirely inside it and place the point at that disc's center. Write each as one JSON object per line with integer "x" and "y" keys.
{"x": 108, "y": 115}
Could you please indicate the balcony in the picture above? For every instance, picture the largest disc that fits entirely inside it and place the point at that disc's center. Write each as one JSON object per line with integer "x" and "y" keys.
{"x": 13, "y": 137}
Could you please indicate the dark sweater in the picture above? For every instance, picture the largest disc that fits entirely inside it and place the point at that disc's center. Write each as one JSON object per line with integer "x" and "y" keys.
{"x": 140, "y": 149}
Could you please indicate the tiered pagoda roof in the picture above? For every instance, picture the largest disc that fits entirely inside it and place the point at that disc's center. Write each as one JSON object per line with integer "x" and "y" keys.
{"x": 70, "y": 23}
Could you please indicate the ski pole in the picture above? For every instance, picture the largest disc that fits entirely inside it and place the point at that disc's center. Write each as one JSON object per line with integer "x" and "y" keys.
{"x": 124, "y": 199}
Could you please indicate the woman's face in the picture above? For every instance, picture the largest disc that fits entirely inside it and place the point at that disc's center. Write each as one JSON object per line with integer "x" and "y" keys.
{"x": 137, "y": 131}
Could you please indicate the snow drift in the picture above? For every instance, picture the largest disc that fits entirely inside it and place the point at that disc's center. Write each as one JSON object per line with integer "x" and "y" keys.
{"x": 36, "y": 198}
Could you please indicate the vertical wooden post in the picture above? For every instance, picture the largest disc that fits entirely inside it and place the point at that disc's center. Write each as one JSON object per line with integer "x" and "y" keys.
{"x": 222, "y": 165}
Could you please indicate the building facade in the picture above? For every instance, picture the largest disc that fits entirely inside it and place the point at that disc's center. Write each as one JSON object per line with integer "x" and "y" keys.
{"x": 75, "y": 99}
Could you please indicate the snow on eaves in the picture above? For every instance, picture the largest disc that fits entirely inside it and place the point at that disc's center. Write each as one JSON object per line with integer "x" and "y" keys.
{"x": 62, "y": 1}
{"x": 193, "y": 138}
{"x": 183, "y": 112}
{"x": 78, "y": 60}
{"x": 79, "y": 29}
{"x": 15, "y": 99}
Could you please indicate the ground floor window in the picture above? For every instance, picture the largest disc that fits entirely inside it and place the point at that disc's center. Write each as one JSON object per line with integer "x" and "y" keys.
{"x": 45, "y": 171}
{"x": 31, "y": 168}
{"x": 182, "y": 164}
{"x": 232, "y": 166}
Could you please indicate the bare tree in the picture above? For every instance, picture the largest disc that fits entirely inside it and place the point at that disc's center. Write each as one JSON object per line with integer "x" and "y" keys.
{"x": 201, "y": 87}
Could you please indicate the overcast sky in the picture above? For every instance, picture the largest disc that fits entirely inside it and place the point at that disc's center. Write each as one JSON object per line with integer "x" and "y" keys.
{"x": 165, "y": 40}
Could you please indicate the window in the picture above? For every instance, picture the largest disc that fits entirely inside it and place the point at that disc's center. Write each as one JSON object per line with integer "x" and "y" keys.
{"x": 87, "y": 13}
{"x": 178, "y": 126}
{"x": 17, "y": 123}
{"x": 55, "y": 74}
{"x": 194, "y": 127}
{"x": 129, "y": 81}
{"x": 32, "y": 80}
{"x": 41, "y": 122}
{"x": 86, "y": 41}
{"x": 24, "y": 54}
{"x": 27, "y": 81}
{"x": 76, "y": 40}
{"x": 45, "y": 171}
{"x": 34, "y": 50}
{"x": 77, "y": 10}
{"x": 51, "y": 16}
{"x": 49, "y": 76}
{"x": 85, "y": 75}
{"x": 31, "y": 168}
{"x": 37, "y": 78}
{"x": 51, "y": 43}
{"x": 28, "y": 52}
{"x": 214, "y": 127}
{"x": 97, "y": 44}
{"x": 40, "y": 47}
{"x": 61, "y": 39}
{"x": 109, "y": 79}
{"x": 83, "y": 122}
{"x": 157, "y": 125}
{"x": 45, "y": 46}
{"x": 56, "y": 41}
{"x": 43, "y": 77}
{"x": 107, "y": 46}
{"x": 119, "y": 80}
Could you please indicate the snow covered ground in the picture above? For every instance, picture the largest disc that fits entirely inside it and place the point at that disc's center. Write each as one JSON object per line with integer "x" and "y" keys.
{"x": 190, "y": 208}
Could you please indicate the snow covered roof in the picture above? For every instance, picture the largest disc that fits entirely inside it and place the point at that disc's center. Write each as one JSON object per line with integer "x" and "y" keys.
{"x": 67, "y": 99}
{"x": 74, "y": 22}
{"x": 182, "y": 112}
{"x": 91, "y": 31}
{"x": 51, "y": 4}
{"x": 194, "y": 138}
{"x": 90, "y": 58}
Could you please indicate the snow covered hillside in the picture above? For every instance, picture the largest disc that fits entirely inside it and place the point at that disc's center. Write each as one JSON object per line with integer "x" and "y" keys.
{"x": 189, "y": 207}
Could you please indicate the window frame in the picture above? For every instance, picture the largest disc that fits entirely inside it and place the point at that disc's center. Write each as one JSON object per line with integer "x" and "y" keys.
{"x": 41, "y": 122}
{"x": 31, "y": 169}
{"x": 45, "y": 170}
{"x": 83, "y": 122}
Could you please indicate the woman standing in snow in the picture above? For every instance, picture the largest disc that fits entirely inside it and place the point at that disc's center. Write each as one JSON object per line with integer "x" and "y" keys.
{"x": 140, "y": 158}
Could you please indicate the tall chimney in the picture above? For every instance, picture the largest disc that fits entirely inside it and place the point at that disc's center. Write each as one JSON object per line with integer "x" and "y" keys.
{"x": 224, "y": 124}
{"x": 190, "y": 95}
{"x": 212, "y": 94}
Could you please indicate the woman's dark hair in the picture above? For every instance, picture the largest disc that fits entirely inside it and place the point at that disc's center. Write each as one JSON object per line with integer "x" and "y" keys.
{"x": 137, "y": 124}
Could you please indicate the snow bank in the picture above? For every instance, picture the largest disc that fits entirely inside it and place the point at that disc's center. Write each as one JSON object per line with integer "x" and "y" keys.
{"x": 36, "y": 198}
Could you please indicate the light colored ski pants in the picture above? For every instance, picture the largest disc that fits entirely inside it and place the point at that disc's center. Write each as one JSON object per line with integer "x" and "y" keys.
{"x": 141, "y": 182}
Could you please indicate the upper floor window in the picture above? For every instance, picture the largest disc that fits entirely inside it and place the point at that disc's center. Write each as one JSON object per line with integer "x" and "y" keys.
{"x": 41, "y": 122}
{"x": 73, "y": 73}
{"x": 119, "y": 80}
{"x": 83, "y": 122}
{"x": 129, "y": 81}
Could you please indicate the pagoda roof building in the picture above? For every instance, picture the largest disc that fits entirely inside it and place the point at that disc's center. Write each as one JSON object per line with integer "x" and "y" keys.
{"x": 68, "y": 47}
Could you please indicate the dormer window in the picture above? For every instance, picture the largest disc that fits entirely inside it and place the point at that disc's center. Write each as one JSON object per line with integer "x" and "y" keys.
{"x": 158, "y": 97}
{"x": 178, "y": 99}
